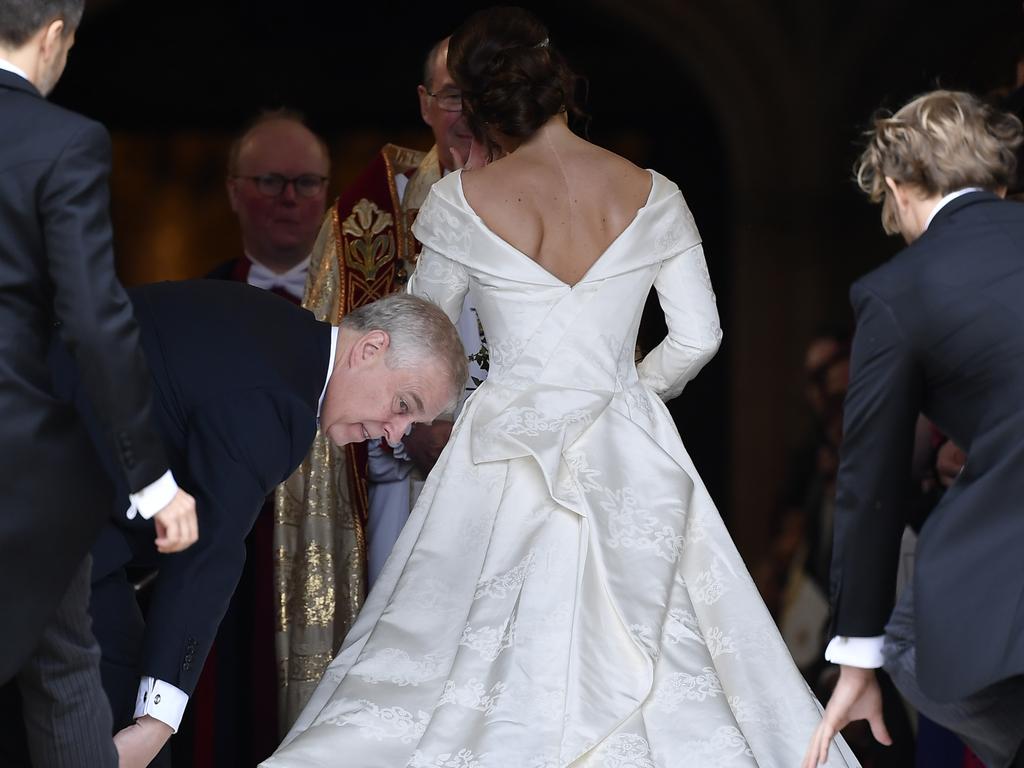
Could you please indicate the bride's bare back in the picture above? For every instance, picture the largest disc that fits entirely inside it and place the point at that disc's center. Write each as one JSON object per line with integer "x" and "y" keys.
{"x": 558, "y": 199}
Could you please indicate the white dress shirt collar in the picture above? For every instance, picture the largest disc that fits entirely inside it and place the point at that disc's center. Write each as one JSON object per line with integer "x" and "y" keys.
{"x": 5, "y": 64}
{"x": 946, "y": 200}
{"x": 293, "y": 281}
{"x": 330, "y": 370}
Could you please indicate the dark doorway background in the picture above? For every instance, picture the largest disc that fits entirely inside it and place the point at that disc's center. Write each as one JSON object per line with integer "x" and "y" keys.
{"x": 753, "y": 107}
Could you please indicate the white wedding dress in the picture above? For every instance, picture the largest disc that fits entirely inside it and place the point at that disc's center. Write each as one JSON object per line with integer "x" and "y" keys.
{"x": 564, "y": 593}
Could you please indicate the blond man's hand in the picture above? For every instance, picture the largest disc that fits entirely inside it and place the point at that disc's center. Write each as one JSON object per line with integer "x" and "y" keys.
{"x": 856, "y": 697}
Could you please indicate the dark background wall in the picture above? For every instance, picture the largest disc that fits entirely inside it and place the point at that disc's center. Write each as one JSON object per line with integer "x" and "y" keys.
{"x": 753, "y": 106}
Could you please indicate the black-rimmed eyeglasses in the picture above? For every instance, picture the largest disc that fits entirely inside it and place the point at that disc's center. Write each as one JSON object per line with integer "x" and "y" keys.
{"x": 273, "y": 184}
{"x": 449, "y": 100}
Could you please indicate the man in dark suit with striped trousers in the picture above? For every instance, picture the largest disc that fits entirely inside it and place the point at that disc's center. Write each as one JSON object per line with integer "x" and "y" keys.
{"x": 57, "y": 279}
{"x": 940, "y": 331}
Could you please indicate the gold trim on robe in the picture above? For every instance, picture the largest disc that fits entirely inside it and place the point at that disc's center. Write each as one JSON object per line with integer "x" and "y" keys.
{"x": 365, "y": 251}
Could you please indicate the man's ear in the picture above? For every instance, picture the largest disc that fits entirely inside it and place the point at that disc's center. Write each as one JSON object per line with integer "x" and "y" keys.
{"x": 894, "y": 188}
{"x": 369, "y": 347}
{"x": 421, "y": 90}
{"x": 52, "y": 39}
{"x": 232, "y": 193}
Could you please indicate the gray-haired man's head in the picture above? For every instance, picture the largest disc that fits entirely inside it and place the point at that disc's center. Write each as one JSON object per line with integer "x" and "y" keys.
{"x": 399, "y": 361}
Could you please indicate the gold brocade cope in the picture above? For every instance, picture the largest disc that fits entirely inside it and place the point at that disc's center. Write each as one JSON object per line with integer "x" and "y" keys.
{"x": 365, "y": 251}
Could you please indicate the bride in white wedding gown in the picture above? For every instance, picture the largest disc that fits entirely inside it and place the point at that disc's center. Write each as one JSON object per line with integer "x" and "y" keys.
{"x": 564, "y": 593}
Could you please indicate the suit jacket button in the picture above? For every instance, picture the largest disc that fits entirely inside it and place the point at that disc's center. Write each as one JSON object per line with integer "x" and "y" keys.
{"x": 186, "y": 666}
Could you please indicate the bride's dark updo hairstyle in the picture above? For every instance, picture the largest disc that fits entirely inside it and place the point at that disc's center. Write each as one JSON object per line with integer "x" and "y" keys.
{"x": 512, "y": 79}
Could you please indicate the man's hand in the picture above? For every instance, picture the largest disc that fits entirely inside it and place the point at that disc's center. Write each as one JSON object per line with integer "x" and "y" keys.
{"x": 176, "y": 524}
{"x": 477, "y": 157}
{"x": 949, "y": 462}
{"x": 425, "y": 443}
{"x": 138, "y": 744}
{"x": 856, "y": 697}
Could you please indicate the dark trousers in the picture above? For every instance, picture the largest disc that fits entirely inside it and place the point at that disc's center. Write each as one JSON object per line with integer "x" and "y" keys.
{"x": 990, "y": 722}
{"x": 56, "y": 714}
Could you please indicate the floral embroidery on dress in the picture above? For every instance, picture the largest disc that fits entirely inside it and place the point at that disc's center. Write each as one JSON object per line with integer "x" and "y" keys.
{"x": 631, "y": 527}
{"x": 582, "y": 473}
{"x": 710, "y": 585}
{"x": 376, "y": 722}
{"x": 395, "y": 666}
{"x": 489, "y": 641}
{"x": 507, "y": 351}
{"x": 504, "y": 583}
{"x": 723, "y": 747}
{"x": 719, "y": 643}
{"x": 472, "y": 695}
{"x": 680, "y": 626}
{"x": 525, "y": 420}
{"x": 643, "y": 635}
{"x": 626, "y": 750}
{"x": 464, "y": 758}
{"x": 681, "y": 687}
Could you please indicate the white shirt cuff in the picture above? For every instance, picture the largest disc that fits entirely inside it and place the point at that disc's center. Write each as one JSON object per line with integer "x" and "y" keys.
{"x": 864, "y": 652}
{"x": 153, "y": 497}
{"x": 162, "y": 701}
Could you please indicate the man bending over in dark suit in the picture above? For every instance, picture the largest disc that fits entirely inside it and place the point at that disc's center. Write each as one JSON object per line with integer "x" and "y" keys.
{"x": 57, "y": 279}
{"x": 940, "y": 331}
{"x": 242, "y": 378}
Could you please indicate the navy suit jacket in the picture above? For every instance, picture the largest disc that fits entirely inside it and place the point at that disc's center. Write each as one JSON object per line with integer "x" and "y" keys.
{"x": 57, "y": 272}
{"x": 940, "y": 331}
{"x": 237, "y": 376}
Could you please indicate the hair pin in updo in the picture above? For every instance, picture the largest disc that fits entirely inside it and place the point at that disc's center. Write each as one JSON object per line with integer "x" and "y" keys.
{"x": 543, "y": 43}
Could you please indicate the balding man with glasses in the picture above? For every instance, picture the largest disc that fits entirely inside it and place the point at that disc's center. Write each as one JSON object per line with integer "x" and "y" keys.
{"x": 277, "y": 186}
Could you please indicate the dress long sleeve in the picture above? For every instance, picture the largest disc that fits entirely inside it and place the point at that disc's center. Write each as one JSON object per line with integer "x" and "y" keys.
{"x": 441, "y": 280}
{"x": 694, "y": 334}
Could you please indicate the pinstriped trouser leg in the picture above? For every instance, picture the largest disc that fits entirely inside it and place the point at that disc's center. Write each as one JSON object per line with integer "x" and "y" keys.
{"x": 990, "y": 722}
{"x": 67, "y": 717}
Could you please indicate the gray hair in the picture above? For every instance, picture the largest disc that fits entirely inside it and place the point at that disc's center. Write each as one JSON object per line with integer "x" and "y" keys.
{"x": 420, "y": 333}
{"x": 20, "y": 19}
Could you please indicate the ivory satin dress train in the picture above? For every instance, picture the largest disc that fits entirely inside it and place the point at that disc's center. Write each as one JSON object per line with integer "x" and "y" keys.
{"x": 565, "y": 592}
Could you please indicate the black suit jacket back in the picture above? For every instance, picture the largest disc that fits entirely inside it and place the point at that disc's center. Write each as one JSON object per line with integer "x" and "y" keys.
{"x": 57, "y": 269}
{"x": 940, "y": 330}
{"x": 237, "y": 377}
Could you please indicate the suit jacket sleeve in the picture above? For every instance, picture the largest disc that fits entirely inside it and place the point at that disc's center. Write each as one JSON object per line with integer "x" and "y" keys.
{"x": 237, "y": 450}
{"x": 92, "y": 306}
{"x": 882, "y": 405}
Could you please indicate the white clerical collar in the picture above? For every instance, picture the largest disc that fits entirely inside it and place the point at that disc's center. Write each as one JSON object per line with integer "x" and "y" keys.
{"x": 5, "y": 64}
{"x": 947, "y": 199}
{"x": 330, "y": 370}
{"x": 293, "y": 281}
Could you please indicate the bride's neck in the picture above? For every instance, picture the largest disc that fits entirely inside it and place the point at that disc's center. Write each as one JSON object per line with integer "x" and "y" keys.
{"x": 554, "y": 133}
